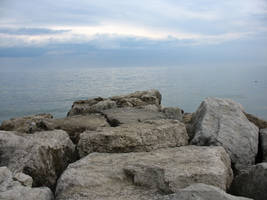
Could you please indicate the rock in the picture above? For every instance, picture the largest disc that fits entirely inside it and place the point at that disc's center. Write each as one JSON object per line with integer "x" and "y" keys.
{"x": 136, "y": 99}
{"x": 260, "y": 123}
{"x": 252, "y": 182}
{"x": 79, "y": 123}
{"x": 42, "y": 155}
{"x": 128, "y": 115}
{"x": 135, "y": 137}
{"x": 24, "y": 179}
{"x": 263, "y": 144}
{"x": 29, "y": 124}
{"x": 221, "y": 122}
{"x": 142, "y": 175}
{"x": 173, "y": 113}
{"x": 14, "y": 190}
{"x": 201, "y": 191}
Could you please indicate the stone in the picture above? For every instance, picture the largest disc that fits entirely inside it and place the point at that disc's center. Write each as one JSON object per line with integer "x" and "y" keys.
{"x": 221, "y": 122}
{"x": 42, "y": 155}
{"x": 135, "y": 176}
{"x": 10, "y": 189}
{"x": 263, "y": 144}
{"x": 200, "y": 191}
{"x": 128, "y": 115}
{"x": 28, "y": 124}
{"x": 96, "y": 105}
{"x": 173, "y": 113}
{"x": 79, "y": 123}
{"x": 135, "y": 137}
{"x": 252, "y": 182}
{"x": 24, "y": 179}
{"x": 260, "y": 123}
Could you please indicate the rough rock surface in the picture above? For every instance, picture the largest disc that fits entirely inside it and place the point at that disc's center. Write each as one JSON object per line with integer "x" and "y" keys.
{"x": 128, "y": 115}
{"x": 252, "y": 182}
{"x": 256, "y": 120}
{"x": 173, "y": 113}
{"x": 136, "y": 99}
{"x": 14, "y": 190}
{"x": 263, "y": 144}
{"x": 222, "y": 122}
{"x": 135, "y": 137}
{"x": 28, "y": 124}
{"x": 42, "y": 155}
{"x": 142, "y": 175}
{"x": 200, "y": 191}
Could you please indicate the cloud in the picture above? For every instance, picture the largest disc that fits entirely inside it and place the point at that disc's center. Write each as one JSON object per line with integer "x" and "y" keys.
{"x": 30, "y": 31}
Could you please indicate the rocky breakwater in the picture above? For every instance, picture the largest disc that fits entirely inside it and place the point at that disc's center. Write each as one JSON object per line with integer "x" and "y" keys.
{"x": 131, "y": 147}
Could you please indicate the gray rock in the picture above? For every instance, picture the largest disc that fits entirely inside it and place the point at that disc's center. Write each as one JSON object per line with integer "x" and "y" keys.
{"x": 251, "y": 182}
{"x": 136, "y": 99}
{"x": 201, "y": 192}
{"x": 133, "y": 176}
{"x": 24, "y": 179}
{"x": 14, "y": 190}
{"x": 221, "y": 122}
{"x": 135, "y": 137}
{"x": 42, "y": 155}
{"x": 263, "y": 144}
{"x": 173, "y": 113}
{"x": 28, "y": 124}
{"x": 128, "y": 115}
{"x": 260, "y": 123}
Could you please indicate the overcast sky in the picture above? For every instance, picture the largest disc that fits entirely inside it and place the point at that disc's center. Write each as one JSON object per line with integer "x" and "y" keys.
{"x": 144, "y": 32}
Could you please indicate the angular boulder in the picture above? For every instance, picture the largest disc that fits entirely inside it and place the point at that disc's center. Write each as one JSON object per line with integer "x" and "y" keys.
{"x": 263, "y": 144}
{"x": 142, "y": 175}
{"x": 42, "y": 155}
{"x": 173, "y": 113}
{"x": 134, "y": 137}
{"x": 260, "y": 123}
{"x": 136, "y": 99}
{"x": 221, "y": 122}
{"x": 252, "y": 182}
{"x": 11, "y": 189}
{"x": 200, "y": 191}
{"x": 28, "y": 124}
{"x": 129, "y": 115}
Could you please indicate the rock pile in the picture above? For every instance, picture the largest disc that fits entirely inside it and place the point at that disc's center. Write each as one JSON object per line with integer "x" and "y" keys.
{"x": 130, "y": 147}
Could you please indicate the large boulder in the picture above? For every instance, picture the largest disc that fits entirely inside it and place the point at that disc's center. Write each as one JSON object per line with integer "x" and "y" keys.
{"x": 128, "y": 115}
{"x": 263, "y": 144}
{"x": 256, "y": 120}
{"x": 252, "y": 182}
{"x": 42, "y": 155}
{"x": 11, "y": 189}
{"x": 28, "y": 124}
{"x": 221, "y": 122}
{"x": 173, "y": 113}
{"x": 142, "y": 175}
{"x": 136, "y": 99}
{"x": 200, "y": 191}
{"x": 134, "y": 137}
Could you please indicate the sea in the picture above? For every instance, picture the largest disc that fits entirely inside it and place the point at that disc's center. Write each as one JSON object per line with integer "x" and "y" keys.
{"x": 26, "y": 91}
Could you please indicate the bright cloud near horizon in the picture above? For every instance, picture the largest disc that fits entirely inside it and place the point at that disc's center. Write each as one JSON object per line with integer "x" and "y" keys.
{"x": 139, "y": 24}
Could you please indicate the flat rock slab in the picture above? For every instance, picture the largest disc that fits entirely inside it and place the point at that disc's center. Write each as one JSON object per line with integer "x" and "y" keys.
{"x": 42, "y": 155}
{"x": 11, "y": 189}
{"x": 142, "y": 175}
{"x": 263, "y": 143}
{"x": 134, "y": 137}
{"x": 136, "y": 99}
{"x": 252, "y": 182}
{"x": 129, "y": 115}
{"x": 221, "y": 122}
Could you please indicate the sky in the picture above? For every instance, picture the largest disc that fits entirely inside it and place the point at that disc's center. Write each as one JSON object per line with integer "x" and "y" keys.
{"x": 141, "y": 32}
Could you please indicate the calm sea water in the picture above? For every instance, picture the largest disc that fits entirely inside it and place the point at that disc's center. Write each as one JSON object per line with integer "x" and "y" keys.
{"x": 32, "y": 91}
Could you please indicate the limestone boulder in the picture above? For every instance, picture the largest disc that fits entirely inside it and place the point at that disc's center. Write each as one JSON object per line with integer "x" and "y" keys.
{"x": 260, "y": 123}
{"x": 142, "y": 175}
{"x": 221, "y": 122}
{"x": 96, "y": 105}
{"x": 263, "y": 144}
{"x": 10, "y": 189}
{"x": 252, "y": 182}
{"x": 134, "y": 137}
{"x": 173, "y": 113}
{"x": 42, "y": 155}
{"x": 28, "y": 124}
